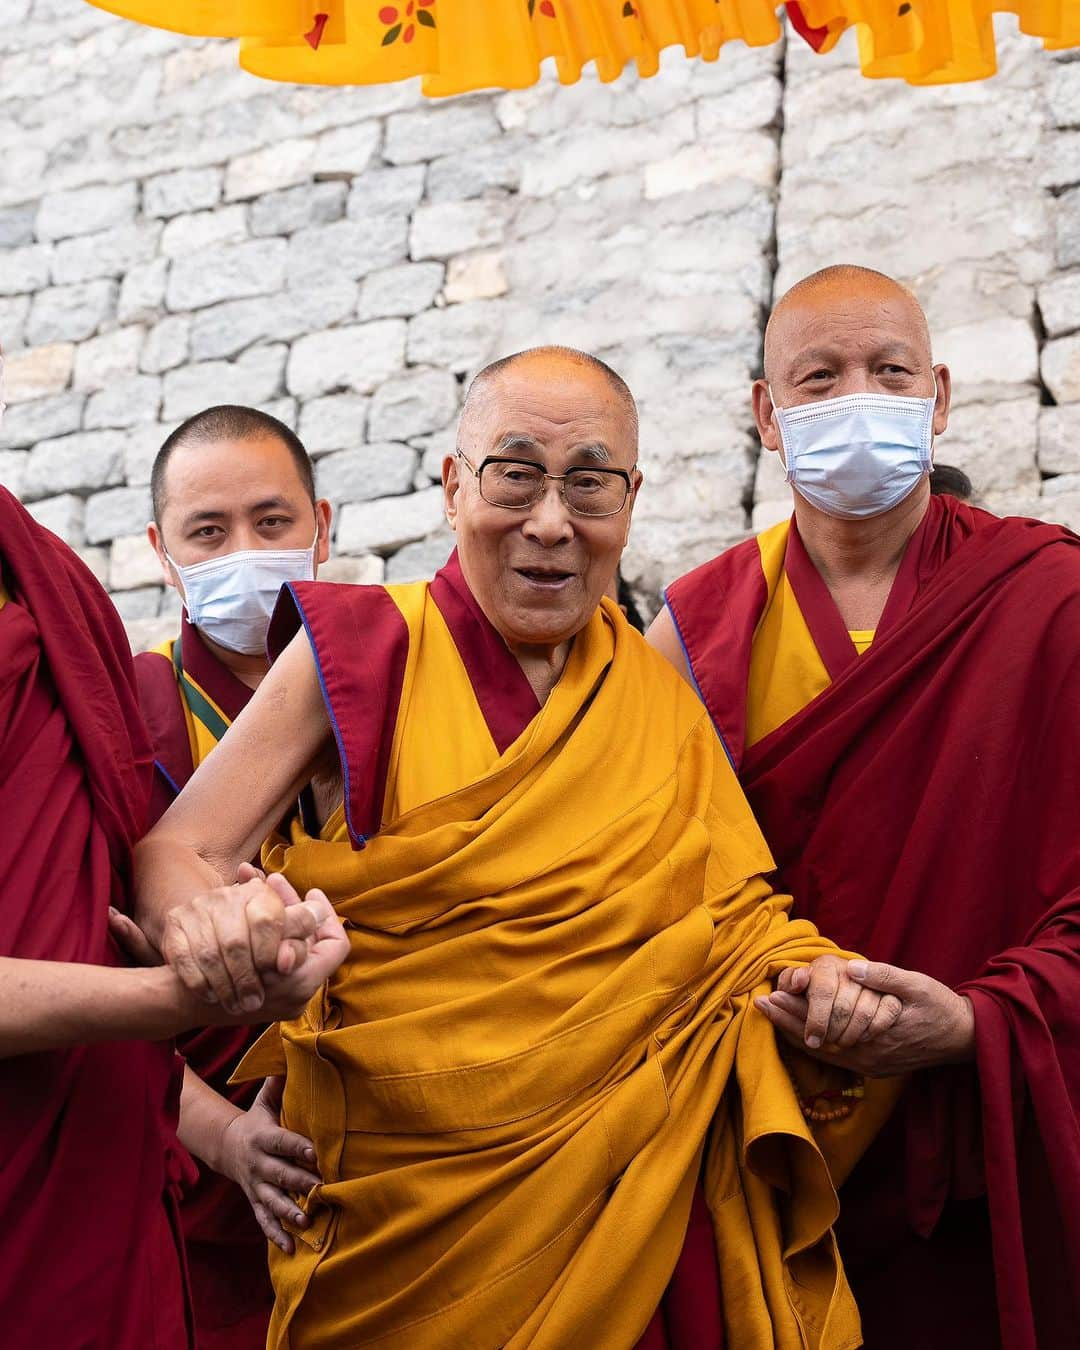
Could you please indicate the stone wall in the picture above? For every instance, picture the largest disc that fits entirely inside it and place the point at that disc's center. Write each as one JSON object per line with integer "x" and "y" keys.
{"x": 174, "y": 233}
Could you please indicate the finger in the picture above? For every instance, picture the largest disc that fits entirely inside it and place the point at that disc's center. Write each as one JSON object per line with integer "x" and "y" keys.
{"x": 791, "y": 1003}
{"x": 229, "y": 917}
{"x": 843, "y": 1007}
{"x": 132, "y": 940}
{"x": 265, "y": 915}
{"x": 179, "y": 955}
{"x": 249, "y": 872}
{"x": 283, "y": 888}
{"x": 820, "y": 995}
{"x": 885, "y": 1018}
{"x": 862, "y": 1015}
{"x": 280, "y": 1205}
{"x": 792, "y": 1027}
{"x": 275, "y": 1171}
{"x": 286, "y": 1144}
{"x": 907, "y": 985}
{"x": 272, "y": 1229}
{"x": 794, "y": 980}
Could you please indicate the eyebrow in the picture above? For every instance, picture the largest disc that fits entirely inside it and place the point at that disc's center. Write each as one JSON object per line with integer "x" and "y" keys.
{"x": 519, "y": 440}
{"x": 212, "y": 517}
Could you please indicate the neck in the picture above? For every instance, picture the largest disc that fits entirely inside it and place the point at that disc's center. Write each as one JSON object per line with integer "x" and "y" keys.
{"x": 860, "y": 551}
{"x": 542, "y": 665}
{"x": 248, "y": 669}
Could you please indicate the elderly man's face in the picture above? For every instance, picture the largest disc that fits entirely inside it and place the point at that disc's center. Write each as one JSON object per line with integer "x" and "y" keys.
{"x": 539, "y": 573}
{"x": 844, "y": 338}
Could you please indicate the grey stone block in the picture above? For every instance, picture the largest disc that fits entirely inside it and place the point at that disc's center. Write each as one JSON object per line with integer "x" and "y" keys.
{"x": 254, "y": 378}
{"x": 478, "y": 170}
{"x": 349, "y": 248}
{"x": 204, "y": 230}
{"x": 71, "y": 313}
{"x": 111, "y": 253}
{"x": 413, "y": 404}
{"x": 358, "y": 358}
{"x": 23, "y": 270}
{"x": 296, "y": 208}
{"x": 402, "y": 291}
{"x": 84, "y": 462}
{"x": 12, "y": 466}
{"x": 17, "y": 225}
{"x": 446, "y": 228}
{"x": 63, "y": 515}
{"x": 1059, "y": 439}
{"x": 363, "y": 474}
{"x": 461, "y": 337}
{"x": 24, "y": 424}
{"x": 166, "y": 345}
{"x": 115, "y": 512}
{"x": 386, "y": 192}
{"x": 85, "y": 210}
{"x": 137, "y": 604}
{"x": 441, "y": 129}
{"x": 103, "y": 360}
{"x": 336, "y": 422}
{"x": 386, "y": 525}
{"x": 230, "y": 273}
{"x": 184, "y": 190}
{"x": 1059, "y": 304}
{"x": 13, "y": 314}
{"x": 125, "y": 403}
{"x": 142, "y": 292}
{"x": 420, "y": 561}
{"x": 224, "y": 330}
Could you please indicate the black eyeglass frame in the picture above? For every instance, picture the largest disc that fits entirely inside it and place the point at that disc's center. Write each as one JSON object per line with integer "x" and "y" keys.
{"x": 560, "y": 478}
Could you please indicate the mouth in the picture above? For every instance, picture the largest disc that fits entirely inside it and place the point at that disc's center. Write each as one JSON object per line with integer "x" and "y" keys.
{"x": 545, "y": 578}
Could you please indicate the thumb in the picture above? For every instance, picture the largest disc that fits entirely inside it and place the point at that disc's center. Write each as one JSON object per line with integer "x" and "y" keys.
{"x": 886, "y": 979}
{"x": 131, "y": 939}
{"x": 271, "y": 1093}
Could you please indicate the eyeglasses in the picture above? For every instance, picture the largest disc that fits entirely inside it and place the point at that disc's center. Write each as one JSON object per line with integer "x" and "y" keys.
{"x": 517, "y": 484}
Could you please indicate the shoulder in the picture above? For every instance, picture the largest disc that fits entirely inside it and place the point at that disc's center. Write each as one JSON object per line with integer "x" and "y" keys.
{"x": 718, "y": 571}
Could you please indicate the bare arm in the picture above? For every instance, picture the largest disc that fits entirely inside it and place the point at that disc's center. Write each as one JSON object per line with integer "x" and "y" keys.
{"x": 663, "y": 635}
{"x": 238, "y": 794}
{"x": 53, "y": 1005}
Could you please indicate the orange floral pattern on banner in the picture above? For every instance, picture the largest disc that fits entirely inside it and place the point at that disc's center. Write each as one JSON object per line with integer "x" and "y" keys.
{"x": 492, "y": 44}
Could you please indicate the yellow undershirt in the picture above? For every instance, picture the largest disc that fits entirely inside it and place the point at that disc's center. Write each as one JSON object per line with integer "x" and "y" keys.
{"x": 862, "y": 638}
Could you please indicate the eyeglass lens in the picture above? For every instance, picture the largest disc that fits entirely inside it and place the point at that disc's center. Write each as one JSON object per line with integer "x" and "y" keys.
{"x": 590, "y": 492}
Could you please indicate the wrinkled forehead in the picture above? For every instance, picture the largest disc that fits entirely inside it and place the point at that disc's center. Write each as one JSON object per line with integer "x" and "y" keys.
{"x": 844, "y": 319}
{"x": 554, "y": 407}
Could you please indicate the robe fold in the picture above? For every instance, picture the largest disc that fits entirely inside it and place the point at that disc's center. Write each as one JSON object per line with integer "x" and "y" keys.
{"x": 89, "y": 1253}
{"x": 921, "y": 803}
{"x": 544, "y": 1033}
{"x": 189, "y": 699}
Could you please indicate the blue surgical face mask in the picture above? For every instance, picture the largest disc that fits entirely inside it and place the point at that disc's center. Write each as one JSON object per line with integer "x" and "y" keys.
{"x": 231, "y": 598}
{"x": 859, "y": 455}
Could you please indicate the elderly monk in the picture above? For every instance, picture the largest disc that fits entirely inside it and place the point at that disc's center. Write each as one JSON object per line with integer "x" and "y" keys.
{"x": 88, "y": 1164}
{"x": 895, "y": 677}
{"x": 543, "y": 1035}
{"x": 235, "y": 516}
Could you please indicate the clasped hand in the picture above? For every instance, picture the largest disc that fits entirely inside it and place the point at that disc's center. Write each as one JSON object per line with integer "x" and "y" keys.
{"x": 869, "y": 1017}
{"x": 254, "y": 950}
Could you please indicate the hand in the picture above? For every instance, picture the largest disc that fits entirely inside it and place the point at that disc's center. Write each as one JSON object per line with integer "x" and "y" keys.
{"x": 838, "y": 1010}
{"x": 227, "y": 945}
{"x": 919, "y": 1023}
{"x": 132, "y": 941}
{"x": 268, "y": 1162}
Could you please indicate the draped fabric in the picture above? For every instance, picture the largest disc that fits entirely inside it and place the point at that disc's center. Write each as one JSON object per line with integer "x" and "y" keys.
{"x": 922, "y": 810}
{"x": 189, "y": 699}
{"x": 462, "y": 45}
{"x": 87, "y": 1154}
{"x": 544, "y": 1033}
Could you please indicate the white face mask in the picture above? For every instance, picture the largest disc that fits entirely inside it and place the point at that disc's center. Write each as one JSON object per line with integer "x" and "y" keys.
{"x": 231, "y": 598}
{"x": 859, "y": 455}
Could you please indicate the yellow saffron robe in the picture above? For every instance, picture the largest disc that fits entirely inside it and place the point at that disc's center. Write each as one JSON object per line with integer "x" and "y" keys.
{"x": 545, "y": 1023}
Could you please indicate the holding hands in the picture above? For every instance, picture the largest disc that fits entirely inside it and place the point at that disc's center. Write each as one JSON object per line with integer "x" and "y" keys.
{"x": 875, "y": 1019}
{"x": 253, "y": 950}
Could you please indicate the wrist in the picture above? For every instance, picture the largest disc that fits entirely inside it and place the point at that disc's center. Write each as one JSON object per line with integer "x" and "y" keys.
{"x": 960, "y": 1048}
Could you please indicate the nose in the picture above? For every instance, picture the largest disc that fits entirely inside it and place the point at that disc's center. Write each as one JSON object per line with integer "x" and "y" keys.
{"x": 548, "y": 521}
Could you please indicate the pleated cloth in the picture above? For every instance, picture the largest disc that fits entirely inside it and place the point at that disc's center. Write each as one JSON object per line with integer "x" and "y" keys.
{"x": 462, "y": 45}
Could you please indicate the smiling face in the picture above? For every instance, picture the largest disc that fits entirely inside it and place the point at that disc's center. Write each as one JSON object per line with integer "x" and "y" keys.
{"x": 226, "y": 496}
{"x": 854, "y": 332}
{"x": 539, "y": 573}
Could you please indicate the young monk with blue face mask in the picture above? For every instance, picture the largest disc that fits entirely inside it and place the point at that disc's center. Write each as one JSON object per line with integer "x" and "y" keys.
{"x": 235, "y": 518}
{"x": 894, "y": 676}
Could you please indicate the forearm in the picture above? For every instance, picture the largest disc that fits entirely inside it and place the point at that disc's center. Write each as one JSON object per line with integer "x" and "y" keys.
{"x": 54, "y": 1005}
{"x": 205, "y": 1116}
{"x": 169, "y": 872}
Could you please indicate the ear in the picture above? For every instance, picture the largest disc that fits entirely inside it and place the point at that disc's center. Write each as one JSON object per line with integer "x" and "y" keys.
{"x": 761, "y": 401}
{"x": 158, "y": 545}
{"x": 324, "y": 514}
{"x": 635, "y": 487}
{"x": 944, "y": 399}
{"x": 451, "y": 480}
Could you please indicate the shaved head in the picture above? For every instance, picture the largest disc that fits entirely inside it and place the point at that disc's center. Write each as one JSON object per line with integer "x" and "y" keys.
{"x": 547, "y": 361}
{"x": 860, "y": 291}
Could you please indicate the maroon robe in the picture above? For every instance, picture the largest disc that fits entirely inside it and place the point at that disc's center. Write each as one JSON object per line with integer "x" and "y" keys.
{"x": 230, "y": 1281}
{"x": 89, "y": 1253}
{"x": 923, "y": 811}
{"x": 362, "y": 698}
